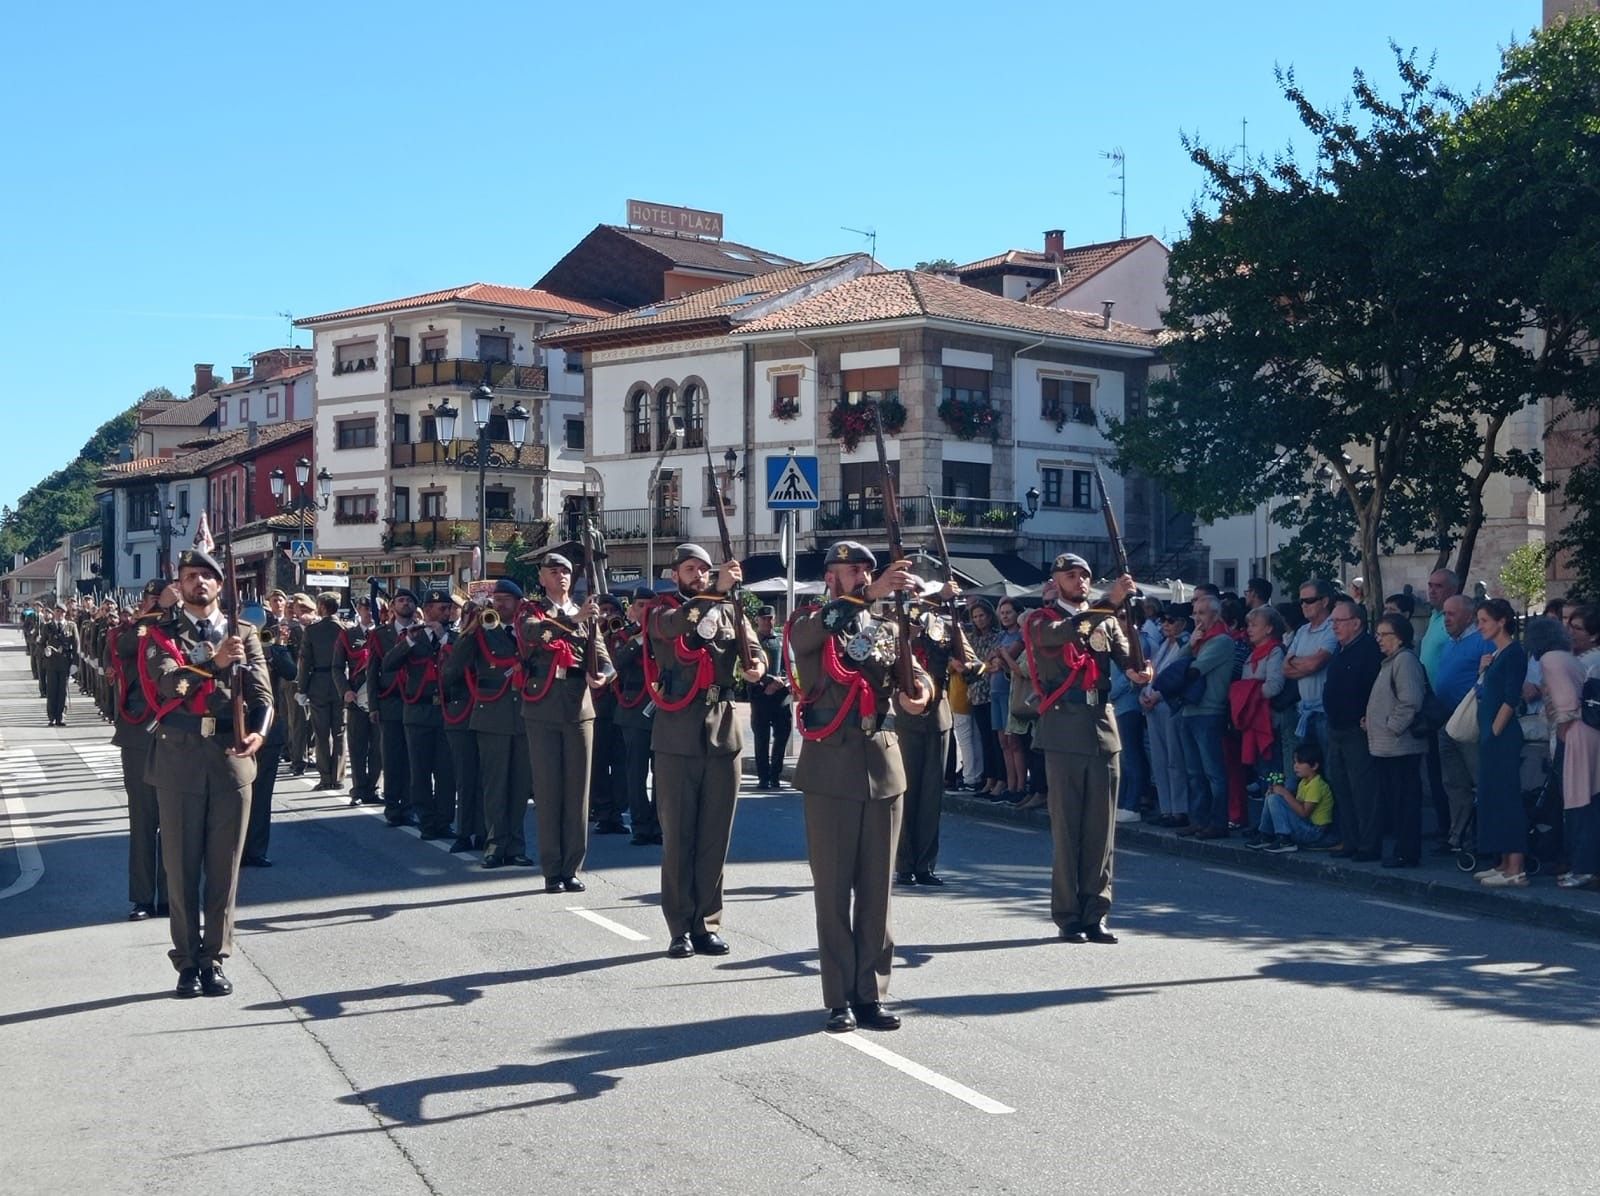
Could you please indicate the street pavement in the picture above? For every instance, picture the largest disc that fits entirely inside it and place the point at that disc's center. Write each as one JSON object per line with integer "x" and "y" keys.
{"x": 406, "y": 1022}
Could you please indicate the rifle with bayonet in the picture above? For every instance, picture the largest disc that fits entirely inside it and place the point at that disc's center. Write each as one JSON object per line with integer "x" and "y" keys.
{"x": 1128, "y": 615}
{"x": 235, "y": 673}
{"x": 747, "y": 647}
{"x": 958, "y": 638}
{"x": 591, "y": 577}
{"x": 904, "y": 676}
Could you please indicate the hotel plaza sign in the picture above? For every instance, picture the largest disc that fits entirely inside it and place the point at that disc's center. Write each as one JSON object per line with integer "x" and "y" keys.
{"x": 665, "y": 219}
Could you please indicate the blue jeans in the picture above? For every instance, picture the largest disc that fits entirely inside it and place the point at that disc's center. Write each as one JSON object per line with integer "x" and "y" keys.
{"x": 1278, "y": 819}
{"x": 1316, "y": 726}
{"x": 1135, "y": 770}
{"x": 1201, "y": 736}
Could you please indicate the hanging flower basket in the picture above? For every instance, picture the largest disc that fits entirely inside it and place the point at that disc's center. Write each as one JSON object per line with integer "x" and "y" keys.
{"x": 851, "y": 423}
{"x": 971, "y": 419}
{"x": 786, "y": 408}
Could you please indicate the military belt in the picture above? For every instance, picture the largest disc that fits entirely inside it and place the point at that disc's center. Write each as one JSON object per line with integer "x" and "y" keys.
{"x": 202, "y": 725}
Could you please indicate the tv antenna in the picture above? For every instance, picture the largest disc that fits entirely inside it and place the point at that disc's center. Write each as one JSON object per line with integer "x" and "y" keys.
{"x": 289, "y": 316}
{"x": 1120, "y": 159}
{"x": 871, "y": 234}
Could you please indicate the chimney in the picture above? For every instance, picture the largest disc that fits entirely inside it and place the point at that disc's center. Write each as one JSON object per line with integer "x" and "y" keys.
{"x": 240, "y": 373}
{"x": 204, "y": 379}
{"x": 1055, "y": 244}
{"x": 1105, "y": 312}
{"x": 252, "y": 433}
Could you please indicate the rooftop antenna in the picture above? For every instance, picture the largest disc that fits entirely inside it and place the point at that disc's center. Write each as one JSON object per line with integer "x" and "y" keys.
{"x": 1244, "y": 143}
{"x": 1121, "y": 160}
{"x": 871, "y": 234}
{"x": 289, "y": 316}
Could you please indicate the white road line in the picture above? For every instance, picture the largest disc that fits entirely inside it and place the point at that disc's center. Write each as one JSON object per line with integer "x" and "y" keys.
{"x": 617, "y": 928}
{"x": 916, "y": 1071}
{"x": 19, "y": 770}
{"x": 1138, "y": 855}
{"x": 102, "y": 760}
{"x": 1586, "y": 946}
{"x": 1414, "y": 909}
{"x": 1266, "y": 880}
{"x": 1006, "y": 826}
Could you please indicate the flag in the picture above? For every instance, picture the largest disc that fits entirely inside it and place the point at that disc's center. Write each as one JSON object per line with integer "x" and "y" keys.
{"x": 202, "y": 536}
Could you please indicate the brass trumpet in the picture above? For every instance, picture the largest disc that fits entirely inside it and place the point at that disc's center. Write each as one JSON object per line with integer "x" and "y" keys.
{"x": 490, "y": 619}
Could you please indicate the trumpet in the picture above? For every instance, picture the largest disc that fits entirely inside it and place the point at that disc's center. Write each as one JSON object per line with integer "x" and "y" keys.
{"x": 490, "y": 619}
{"x": 617, "y": 625}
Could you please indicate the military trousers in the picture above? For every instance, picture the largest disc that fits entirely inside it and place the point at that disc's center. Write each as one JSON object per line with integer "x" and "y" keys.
{"x": 463, "y": 744}
{"x": 433, "y": 784}
{"x": 923, "y": 754}
{"x": 1083, "y": 794}
{"x": 636, "y": 764}
{"x": 327, "y": 730}
{"x": 258, "y": 830}
{"x": 55, "y": 692}
{"x": 695, "y": 799}
{"x": 147, "y": 875}
{"x": 396, "y": 769}
{"x": 362, "y": 734}
{"x": 560, "y": 756}
{"x": 608, "y": 797}
{"x": 851, "y": 847}
{"x": 506, "y": 780}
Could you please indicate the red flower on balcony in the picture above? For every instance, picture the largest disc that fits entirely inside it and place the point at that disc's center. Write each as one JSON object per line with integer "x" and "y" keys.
{"x": 970, "y": 418}
{"x": 786, "y": 408}
{"x": 851, "y": 423}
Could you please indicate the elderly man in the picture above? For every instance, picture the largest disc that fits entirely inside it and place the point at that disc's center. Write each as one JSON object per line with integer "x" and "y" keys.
{"x": 1443, "y": 585}
{"x": 1200, "y": 722}
{"x": 1310, "y": 649}
{"x": 1349, "y": 769}
{"x": 1454, "y": 672}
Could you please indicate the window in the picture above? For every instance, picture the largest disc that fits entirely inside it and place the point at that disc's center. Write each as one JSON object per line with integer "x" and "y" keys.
{"x": 718, "y": 481}
{"x": 965, "y": 479}
{"x": 357, "y": 433}
{"x": 355, "y": 508}
{"x": 222, "y": 415}
{"x": 966, "y": 386}
{"x": 1227, "y": 575}
{"x": 1082, "y": 489}
{"x": 861, "y": 490}
{"x": 666, "y": 410}
{"x": 786, "y": 396}
{"x": 272, "y": 404}
{"x": 493, "y": 347}
{"x": 400, "y": 503}
{"x": 402, "y": 428}
{"x": 574, "y": 361}
{"x": 183, "y": 504}
{"x": 694, "y": 416}
{"x": 432, "y": 504}
{"x": 138, "y": 565}
{"x": 1062, "y": 399}
{"x": 874, "y": 384}
{"x": 573, "y": 437}
{"x": 669, "y": 504}
{"x": 638, "y": 416}
{"x": 498, "y": 503}
{"x": 355, "y": 357}
{"x": 244, "y": 409}
{"x": 433, "y": 347}
{"x": 142, "y": 506}
{"x": 1052, "y": 487}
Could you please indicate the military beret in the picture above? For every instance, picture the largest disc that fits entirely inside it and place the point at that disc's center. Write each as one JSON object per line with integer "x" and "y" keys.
{"x": 643, "y": 592}
{"x": 504, "y": 585}
{"x": 155, "y": 585}
{"x": 402, "y": 592}
{"x": 606, "y": 599}
{"x": 851, "y": 552}
{"x": 436, "y": 594}
{"x": 768, "y": 612}
{"x": 276, "y": 593}
{"x": 199, "y": 558}
{"x": 1071, "y": 560}
{"x": 690, "y": 552}
{"x": 554, "y": 560}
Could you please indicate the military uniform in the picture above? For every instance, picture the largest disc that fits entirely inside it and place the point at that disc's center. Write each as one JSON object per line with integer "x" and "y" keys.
{"x": 133, "y": 737}
{"x": 383, "y": 695}
{"x": 352, "y": 658}
{"x": 635, "y": 721}
{"x": 296, "y": 726}
{"x": 462, "y": 742}
{"x": 283, "y": 669}
{"x": 851, "y": 773}
{"x": 314, "y": 680}
{"x": 693, "y": 659}
{"x": 57, "y": 651}
{"x": 415, "y": 660}
{"x": 924, "y": 744}
{"x": 771, "y": 715}
{"x": 1072, "y": 651}
{"x": 607, "y": 778}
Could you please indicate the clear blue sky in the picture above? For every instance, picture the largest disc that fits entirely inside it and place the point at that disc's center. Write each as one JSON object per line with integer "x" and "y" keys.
{"x": 176, "y": 174}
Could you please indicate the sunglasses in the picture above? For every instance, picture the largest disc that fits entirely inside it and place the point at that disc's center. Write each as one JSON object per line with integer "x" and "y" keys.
{"x": 1310, "y": 601}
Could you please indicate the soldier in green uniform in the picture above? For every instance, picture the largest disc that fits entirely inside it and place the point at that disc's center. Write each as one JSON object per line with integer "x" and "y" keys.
{"x": 1072, "y": 647}
{"x": 635, "y": 718}
{"x": 692, "y": 659}
{"x": 203, "y": 766}
{"x": 147, "y": 877}
{"x": 30, "y": 640}
{"x": 314, "y": 681}
{"x": 771, "y": 709}
{"x": 851, "y": 773}
{"x": 352, "y": 658}
{"x": 383, "y": 696}
{"x": 58, "y": 649}
{"x": 416, "y": 660}
{"x": 555, "y": 640}
{"x": 608, "y": 796}
{"x": 459, "y": 737}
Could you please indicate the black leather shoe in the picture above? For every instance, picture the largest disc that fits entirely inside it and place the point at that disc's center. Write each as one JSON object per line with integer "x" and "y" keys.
{"x": 840, "y": 1020}
{"x": 1096, "y": 932}
{"x": 521, "y": 861}
{"x": 874, "y": 1016}
{"x": 573, "y": 885}
{"x": 905, "y": 878}
{"x": 930, "y": 878}
{"x": 400, "y": 820}
{"x": 493, "y": 861}
{"x": 555, "y": 884}
{"x": 188, "y": 983}
{"x": 256, "y": 861}
{"x": 461, "y": 845}
{"x": 140, "y": 912}
{"x": 709, "y": 944}
{"x": 1073, "y": 934}
{"x": 680, "y": 947}
{"x": 356, "y": 800}
{"x": 610, "y": 827}
{"x": 213, "y": 983}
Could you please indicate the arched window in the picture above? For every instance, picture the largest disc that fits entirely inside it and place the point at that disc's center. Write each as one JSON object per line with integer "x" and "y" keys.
{"x": 694, "y": 415}
{"x": 668, "y": 408}
{"x": 638, "y": 416}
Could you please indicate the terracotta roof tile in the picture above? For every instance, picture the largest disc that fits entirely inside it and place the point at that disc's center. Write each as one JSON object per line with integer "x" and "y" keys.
{"x": 487, "y": 294}
{"x": 216, "y": 452}
{"x": 191, "y": 413}
{"x": 287, "y": 375}
{"x": 1078, "y": 262}
{"x": 40, "y": 567}
{"x": 726, "y": 257}
{"x": 903, "y": 294}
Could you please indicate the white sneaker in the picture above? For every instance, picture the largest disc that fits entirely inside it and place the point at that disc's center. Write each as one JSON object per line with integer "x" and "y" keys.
{"x": 1501, "y": 881}
{"x": 1127, "y": 815}
{"x": 1485, "y": 874}
{"x": 1575, "y": 880}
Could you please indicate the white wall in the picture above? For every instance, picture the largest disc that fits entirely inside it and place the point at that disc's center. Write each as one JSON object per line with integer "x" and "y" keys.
{"x": 1137, "y": 282}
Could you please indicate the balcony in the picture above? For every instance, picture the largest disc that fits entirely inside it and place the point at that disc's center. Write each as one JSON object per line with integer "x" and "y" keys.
{"x": 502, "y": 455}
{"x": 633, "y": 523}
{"x": 431, "y": 534}
{"x": 983, "y": 515}
{"x": 458, "y": 371}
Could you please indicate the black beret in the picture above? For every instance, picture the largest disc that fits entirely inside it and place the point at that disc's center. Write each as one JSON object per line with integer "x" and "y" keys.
{"x": 155, "y": 585}
{"x": 851, "y": 552}
{"x": 199, "y": 558}
{"x": 769, "y": 612}
{"x": 437, "y": 594}
{"x": 643, "y": 592}
{"x": 690, "y": 552}
{"x": 402, "y": 592}
{"x": 504, "y": 585}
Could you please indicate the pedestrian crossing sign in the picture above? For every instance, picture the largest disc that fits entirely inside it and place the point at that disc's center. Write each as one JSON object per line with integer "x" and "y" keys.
{"x": 300, "y": 550}
{"x": 792, "y": 483}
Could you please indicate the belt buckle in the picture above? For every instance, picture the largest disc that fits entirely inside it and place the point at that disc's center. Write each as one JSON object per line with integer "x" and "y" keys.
{"x": 561, "y": 672}
{"x": 869, "y": 726}
{"x": 1091, "y": 697}
{"x": 713, "y": 694}
{"x": 208, "y": 727}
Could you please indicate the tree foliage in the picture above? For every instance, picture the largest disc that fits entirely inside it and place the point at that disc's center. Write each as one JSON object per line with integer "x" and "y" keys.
{"x": 1522, "y": 576}
{"x": 938, "y": 265}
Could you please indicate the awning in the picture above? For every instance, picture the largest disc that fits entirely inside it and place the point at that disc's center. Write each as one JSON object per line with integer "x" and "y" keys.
{"x": 978, "y": 572}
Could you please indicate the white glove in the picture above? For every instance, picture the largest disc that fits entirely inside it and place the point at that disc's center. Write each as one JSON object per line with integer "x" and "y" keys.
{"x": 303, "y": 701}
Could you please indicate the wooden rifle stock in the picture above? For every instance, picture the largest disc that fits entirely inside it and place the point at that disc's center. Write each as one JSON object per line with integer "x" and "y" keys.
{"x": 904, "y": 676}
{"x": 591, "y": 577}
{"x": 958, "y": 637}
{"x": 1127, "y": 615}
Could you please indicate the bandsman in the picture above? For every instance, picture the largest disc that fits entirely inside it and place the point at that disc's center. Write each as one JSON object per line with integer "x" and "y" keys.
{"x": 415, "y": 661}
{"x": 462, "y": 741}
{"x": 635, "y": 717}
{"x": 133, "y": 735}
{"x": 383, "y": 695}
{"x": 315, "y": 683}
{"x": 352, "y": 659}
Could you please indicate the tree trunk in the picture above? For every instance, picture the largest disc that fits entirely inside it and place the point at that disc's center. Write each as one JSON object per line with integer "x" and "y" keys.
{"x": 1367, "y": 518}
{"x": 1442, "y": 530}
{"x": 1474, "y": 523}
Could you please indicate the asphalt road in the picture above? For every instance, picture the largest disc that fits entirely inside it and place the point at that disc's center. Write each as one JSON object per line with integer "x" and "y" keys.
{"x": 405, "y": 1022}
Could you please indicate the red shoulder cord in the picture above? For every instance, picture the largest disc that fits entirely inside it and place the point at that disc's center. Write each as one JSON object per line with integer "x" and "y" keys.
{"x": 430, "y": 672}
{"x": 196, "y": 701}
{"x": 561, "y": 649}
{"x": 119, "y": 672}
{"x": 395, "y": 685}
{"x": 704, "y": 674}
{"x": 509, "y": 665}
{"x": 1083, "y": 670}
{"x": 858, "y": 690}
{"x": 358, "y": 657}
{"x": 644, "y": 690}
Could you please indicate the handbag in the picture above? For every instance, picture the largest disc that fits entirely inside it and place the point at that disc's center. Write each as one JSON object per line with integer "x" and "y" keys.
{"x": 1462, "y": 726}
{"x": 1589, "y": 702}
{"x": 1173, "y": 682}
{"x": 1431, "y": 716}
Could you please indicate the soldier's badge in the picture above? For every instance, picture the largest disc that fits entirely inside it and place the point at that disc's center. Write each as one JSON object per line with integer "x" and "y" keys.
{"x": 183, "y": 686}
{"x": 832, "y": 619}
{"x": 1099, "y": 641}
{"x": 707, "y": 627}
{"x": 547, "y": 636}
{"x": 143, "y": 631}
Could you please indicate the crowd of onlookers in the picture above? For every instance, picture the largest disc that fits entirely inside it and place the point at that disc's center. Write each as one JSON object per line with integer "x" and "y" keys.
{"x": 1315, "y": 725}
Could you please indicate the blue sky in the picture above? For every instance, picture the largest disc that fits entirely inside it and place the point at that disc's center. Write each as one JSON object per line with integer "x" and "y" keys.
{"x": 177, "y": 174}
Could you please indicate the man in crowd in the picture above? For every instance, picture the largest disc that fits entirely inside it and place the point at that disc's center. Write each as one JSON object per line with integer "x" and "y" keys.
{"x": 415, "y": 661}
{"x": 314, "y": 681}
{"x": 635, "y": 719}
{"x": 1310, "y": 648}
{"x": 352, "y": 660}
{"x": 1443, "y": 585}
{"x": 1200, "y": 722}
{"x": 771, "y": 715}
{"x": 1257, "y": 593}
{"x": 383, "y": 695}
{"x": 460, "y": 700}
{"x": 1454, "y": 672}
{"x": 1348, "y": 768}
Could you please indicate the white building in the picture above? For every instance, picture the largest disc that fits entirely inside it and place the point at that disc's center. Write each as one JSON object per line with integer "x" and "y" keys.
{"x": 1129, "y": 273}
{"x": 277, "y": 387}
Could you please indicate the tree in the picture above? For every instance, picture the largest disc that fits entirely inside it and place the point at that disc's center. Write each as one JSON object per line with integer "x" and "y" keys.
{"x": 65, "y": 500}
{"x": 938, "y": 265}
{"x": 1331, "y": 334}
{"x": 1522, "y": 576}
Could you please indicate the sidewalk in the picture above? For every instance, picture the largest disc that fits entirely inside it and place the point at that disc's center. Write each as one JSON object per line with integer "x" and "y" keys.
{"x": 1437, "y": 882}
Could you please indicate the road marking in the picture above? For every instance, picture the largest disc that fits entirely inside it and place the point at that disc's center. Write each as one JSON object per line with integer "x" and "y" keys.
{"x": 918, "y": 1072}
{"x": 104, "y": 760}
{"x": 1413, "y": 909}
{"x": 19, "y": 769}
{"x": 1266, "y": 880}
{"x": 1006, "y": 826}
{"x": 633, "y": 936}
{"x": 1138, "y": 855}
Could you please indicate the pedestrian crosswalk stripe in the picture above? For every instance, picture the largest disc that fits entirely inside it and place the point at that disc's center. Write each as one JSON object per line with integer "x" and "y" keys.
{"x": 633, "y": 936}
{"x": 19, "y": 770}
{"x": 104, "y": 760}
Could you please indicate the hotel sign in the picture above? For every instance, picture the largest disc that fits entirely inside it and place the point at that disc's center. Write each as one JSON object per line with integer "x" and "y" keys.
{"x": 666, "y": 219}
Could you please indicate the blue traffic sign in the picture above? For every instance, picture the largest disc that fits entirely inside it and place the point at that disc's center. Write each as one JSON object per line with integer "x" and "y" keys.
{"x": 301, "y": 550}
{"x": 792, "y": 484}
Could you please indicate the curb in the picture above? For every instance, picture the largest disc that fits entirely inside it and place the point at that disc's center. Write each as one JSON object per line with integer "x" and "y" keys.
{"x": 1528, "y": 906}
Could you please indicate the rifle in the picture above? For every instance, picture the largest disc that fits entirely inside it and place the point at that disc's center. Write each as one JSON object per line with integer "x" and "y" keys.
{"x": 591, "y": 577}
{"x": 897, "y": 552}
{"x": 1119, "y": 555}
{"x": 741, "y": 629}
{"x": 958, "y": 638}
{"x": 235, "y": 686}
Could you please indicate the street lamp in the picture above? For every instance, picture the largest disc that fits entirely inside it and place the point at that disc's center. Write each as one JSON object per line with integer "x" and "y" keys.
{"x": 164, "y": 524}
{"x": 674, "y": 431}
{"x": 446, "y": 420}
{"x": 303, "y": 503}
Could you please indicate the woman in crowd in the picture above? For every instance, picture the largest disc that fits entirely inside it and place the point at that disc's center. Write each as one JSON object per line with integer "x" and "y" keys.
{"x": 985, "y": 634}
{"x": 1003, "y": 660}
{"x": 1577, "y": 748}
{"x": 1502, "y": 826}
{"x": 1583, "y": 624}
{"x": 1392, "y": 706}
{"x": 1264, "y": 628}
{"x": 1161, "y": 727}
{"x": 1233, "y": 618}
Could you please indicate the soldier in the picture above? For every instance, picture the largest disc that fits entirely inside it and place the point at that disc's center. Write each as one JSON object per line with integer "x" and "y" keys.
{"x": 558, "y": 718}
{"x": 352, "y": 657}
{"x": 383, "y": 695}
{"x": 771, "y": 713}
{"x": 314, "y": 682}
{"x": 295, "y": 705}
{"x": 282, "y": 669}
{"x": 30, "y": 640}
{"x": 485, "y": 660}
{"x": 1072, "y": 647}
{"x": 415, "y": 660}
{"x": 147, "y": 876}
{"x": 459, "y": 736}
{"x": 925, "y": 741}
{"x": 691, "y": 659}
{"x": 607, "y": 779}
{"x": 635, "y": 718}
{"x": 852, "y": 777}
{"x": 203, "y": 765}
{"x": 57, "y": 652}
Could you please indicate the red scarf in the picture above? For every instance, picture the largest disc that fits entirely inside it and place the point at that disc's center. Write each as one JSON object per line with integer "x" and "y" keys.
{"x": 1083, "y": 668}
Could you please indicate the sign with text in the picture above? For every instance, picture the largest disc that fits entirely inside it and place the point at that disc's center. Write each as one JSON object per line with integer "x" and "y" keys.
{"x": 319, "y": 565}
{"x": 666, "y": 219}
{"x": 333, "y": 581}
